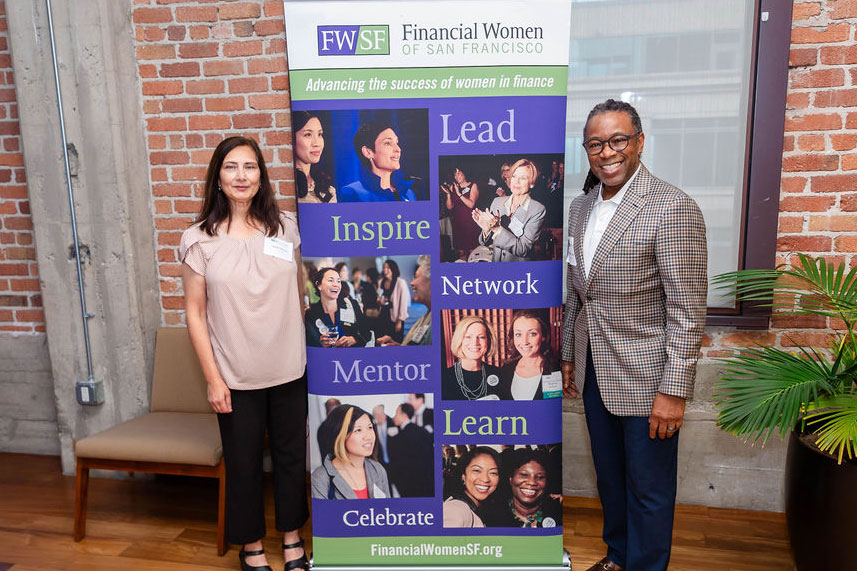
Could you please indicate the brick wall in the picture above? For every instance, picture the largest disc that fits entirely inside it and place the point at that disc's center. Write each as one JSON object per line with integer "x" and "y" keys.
{"x": 818, "y": 195}
{"x": 207, "y": 70}
{"x": 20, "y": 298}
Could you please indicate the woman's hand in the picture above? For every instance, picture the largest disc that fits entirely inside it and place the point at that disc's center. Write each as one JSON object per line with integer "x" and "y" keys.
{"x": 328, "y": 340}
{"x": 485, "y": 220}
{"x": 219, "y": 396}
{"x": 347, "y": 341}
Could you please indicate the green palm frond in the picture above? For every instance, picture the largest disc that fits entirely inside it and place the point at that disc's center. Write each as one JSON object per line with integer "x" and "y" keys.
{"x": 836, "y": 428}
{"x": 764, "y": 389}
{"x": 818, "y": 287}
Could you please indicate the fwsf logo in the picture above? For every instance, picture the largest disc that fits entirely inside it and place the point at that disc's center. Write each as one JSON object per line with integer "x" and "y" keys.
{"x": 353, "y": 40}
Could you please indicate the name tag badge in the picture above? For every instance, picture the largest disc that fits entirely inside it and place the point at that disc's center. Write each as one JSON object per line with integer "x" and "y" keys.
{"x": 570, "y": 258}
{"x": 552, "y": 385}
{"x": 346, "y": 314}
{"x": 279, "y": 249}
{"x": 516, "y": 227}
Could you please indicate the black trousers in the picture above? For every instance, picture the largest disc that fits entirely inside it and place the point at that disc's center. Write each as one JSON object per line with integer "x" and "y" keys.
{"x": 281, "y": 411}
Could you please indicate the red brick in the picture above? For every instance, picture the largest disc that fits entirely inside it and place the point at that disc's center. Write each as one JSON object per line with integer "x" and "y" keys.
{"x": 816, "y": 78}
{"x": 152, "y": 106}
{"x": 239, "y": 49}
{"x": 176, "y": 33}
{"x": 844, "y": 142}
{"x": 199, "y": 32}
{"x": 804, "y": 244}
{"x": 268, "y": 102}
{"x": 168, "y": 158}
{"x": 269, "y": 27}
{"x": 833, "y": 223}
{"x": 848, "y": 203}
{"x": 157, "y": 142}
{"x": 170, "y": 270}
{"x": 147, "y": 71}
{"x": 269, "y": 65}
{"x": 162, "y": 87}
{"x": 803, "y": 57}
{"x": 200, "y": 157}
{"x": 154, "y": 34}
{"x": 851, "y": 121}
{"x": 276, "y": 46}
{"x": 213, "y": 139}
{"x": 277, "y": 138}
{"x": 25, "y": 239}
{"x": 166, "y": 124}
{"x": 188, "y": 206}
{"x": 181, "y": 69}
{"x": 240, "y": 11}
{"x": 30, "y": 315}
{"x": 806, "y": 203}
{"x": 163, "y": 207}
{"x": 811, "y": 143}
{"x": 6, "y": 315}
{"x": 749, "y": 338}
{"x": 845, "y": 244}
{"x": 193, "y": 141}
{"x": 225, "y": 103}
{"x": 12, "y": 159}
{"x": 198, "y": 50}
{"x": 252, "y": 121}
{"x": 167, "y": 255}
{"x": 20, "y": 253}
{"x": 248, "y": 85}
{"x": 828, "y": 35}
{"x": 17, "y": 223}
{"x": 168, "y": 286}
{"x": 13, "y": 191}
{"x": 15, "y": 269}
{"x": 152, "y": 15}
{"x": 834, "y": 183}
{"x": 804, "y": 10}
{"x": 158, "y": 174}
{"x": 273, "y": 9}
{"x": 801, "y": 163}
{"x": 849, "y": 162}
{"x": 209, "y": 122}
{"x": 156, "y": 51}
{"x": 188, "y": 173}
{"x": 182, "y": 105}
{"x": 204, "y": 86}
{"x": 213, "y": 68}
{"x": 8, "y": 207}
{"x": 839, "y": 55}
{"x": 790, "y": 224}
{"x": 196, "y": 14}
{"x": 804, "y": 339}
{"x": 173, "y": 223}
{"x": 9, "y": 128}
{"x": 836, "y": 98}
{"x": 841, "y": 9}
{"x": 171, "y": 189}
{"x": 25, "y": 284}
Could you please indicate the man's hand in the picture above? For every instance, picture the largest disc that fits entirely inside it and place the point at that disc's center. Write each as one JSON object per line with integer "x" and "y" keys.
{"x": 569, "y": 389}
{"x": 667, "y": 416}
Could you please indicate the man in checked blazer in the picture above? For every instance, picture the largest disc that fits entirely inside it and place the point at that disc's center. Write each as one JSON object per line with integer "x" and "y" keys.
{"x": 634, "y": 316}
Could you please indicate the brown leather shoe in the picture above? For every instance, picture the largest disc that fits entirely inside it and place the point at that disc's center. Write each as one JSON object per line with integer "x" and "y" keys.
{"x": 605, "y": 565}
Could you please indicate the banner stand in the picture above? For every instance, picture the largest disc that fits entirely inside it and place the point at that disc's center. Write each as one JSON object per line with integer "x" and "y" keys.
{"x": 429, "y": 151}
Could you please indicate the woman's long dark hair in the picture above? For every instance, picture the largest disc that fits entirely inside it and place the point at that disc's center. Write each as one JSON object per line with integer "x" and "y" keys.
{"x": 322, "y": 179}
{"x": 394, "y": 270}
{"x": 216, "y": 207}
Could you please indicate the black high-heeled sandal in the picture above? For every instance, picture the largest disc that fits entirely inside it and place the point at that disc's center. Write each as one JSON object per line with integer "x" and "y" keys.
{"x": 301, "y": 562}
{"x": 242, "y": 556}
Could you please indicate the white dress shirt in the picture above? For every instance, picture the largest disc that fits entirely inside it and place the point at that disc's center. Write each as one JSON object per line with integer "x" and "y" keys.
{"x": 600, "y": 217}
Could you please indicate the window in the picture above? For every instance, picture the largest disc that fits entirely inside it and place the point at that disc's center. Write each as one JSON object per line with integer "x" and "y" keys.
{"x": 694, "y": 70}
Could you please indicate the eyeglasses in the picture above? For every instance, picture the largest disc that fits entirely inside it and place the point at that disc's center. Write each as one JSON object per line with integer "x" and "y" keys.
{"x": 618, "y": 142}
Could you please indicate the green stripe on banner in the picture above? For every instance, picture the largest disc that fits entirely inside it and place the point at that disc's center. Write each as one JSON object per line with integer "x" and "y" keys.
{"x": 409, "y": 83}
{"x": 469, "y": 550}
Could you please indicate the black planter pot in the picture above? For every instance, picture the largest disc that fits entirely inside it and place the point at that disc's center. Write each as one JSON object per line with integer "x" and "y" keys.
{"x": 821, "y": 509}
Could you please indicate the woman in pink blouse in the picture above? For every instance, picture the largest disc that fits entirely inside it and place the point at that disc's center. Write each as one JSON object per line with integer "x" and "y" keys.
{"x": 243, "y": 299}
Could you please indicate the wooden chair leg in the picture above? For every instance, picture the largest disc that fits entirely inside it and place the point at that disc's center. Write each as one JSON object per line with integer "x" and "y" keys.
{"x": 81, "y": 492}
{"x": 221, "y": 508}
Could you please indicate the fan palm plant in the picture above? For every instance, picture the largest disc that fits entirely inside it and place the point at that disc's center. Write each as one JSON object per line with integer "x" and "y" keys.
{"x": 765, "y": 389}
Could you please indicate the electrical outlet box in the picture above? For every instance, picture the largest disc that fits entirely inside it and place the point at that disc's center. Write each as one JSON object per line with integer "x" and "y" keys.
{"x": 89, "y": 393}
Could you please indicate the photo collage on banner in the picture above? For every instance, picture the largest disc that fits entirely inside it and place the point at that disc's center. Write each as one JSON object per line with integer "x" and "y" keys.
{"x": 428, "y": 147}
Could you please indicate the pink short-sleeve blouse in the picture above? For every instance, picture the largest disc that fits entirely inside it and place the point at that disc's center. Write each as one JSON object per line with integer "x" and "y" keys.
{"x": 253, "y": 305}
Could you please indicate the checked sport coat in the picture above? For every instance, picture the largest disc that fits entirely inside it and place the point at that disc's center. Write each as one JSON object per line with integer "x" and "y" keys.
{"x": 642, "y": 306}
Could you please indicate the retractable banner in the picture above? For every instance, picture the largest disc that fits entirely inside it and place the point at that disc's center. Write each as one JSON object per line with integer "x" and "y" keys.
{"x": 428, "y": 146}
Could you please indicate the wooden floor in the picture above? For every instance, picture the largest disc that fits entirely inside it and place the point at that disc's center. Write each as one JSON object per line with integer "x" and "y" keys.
{"x": 168, "y": 524}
